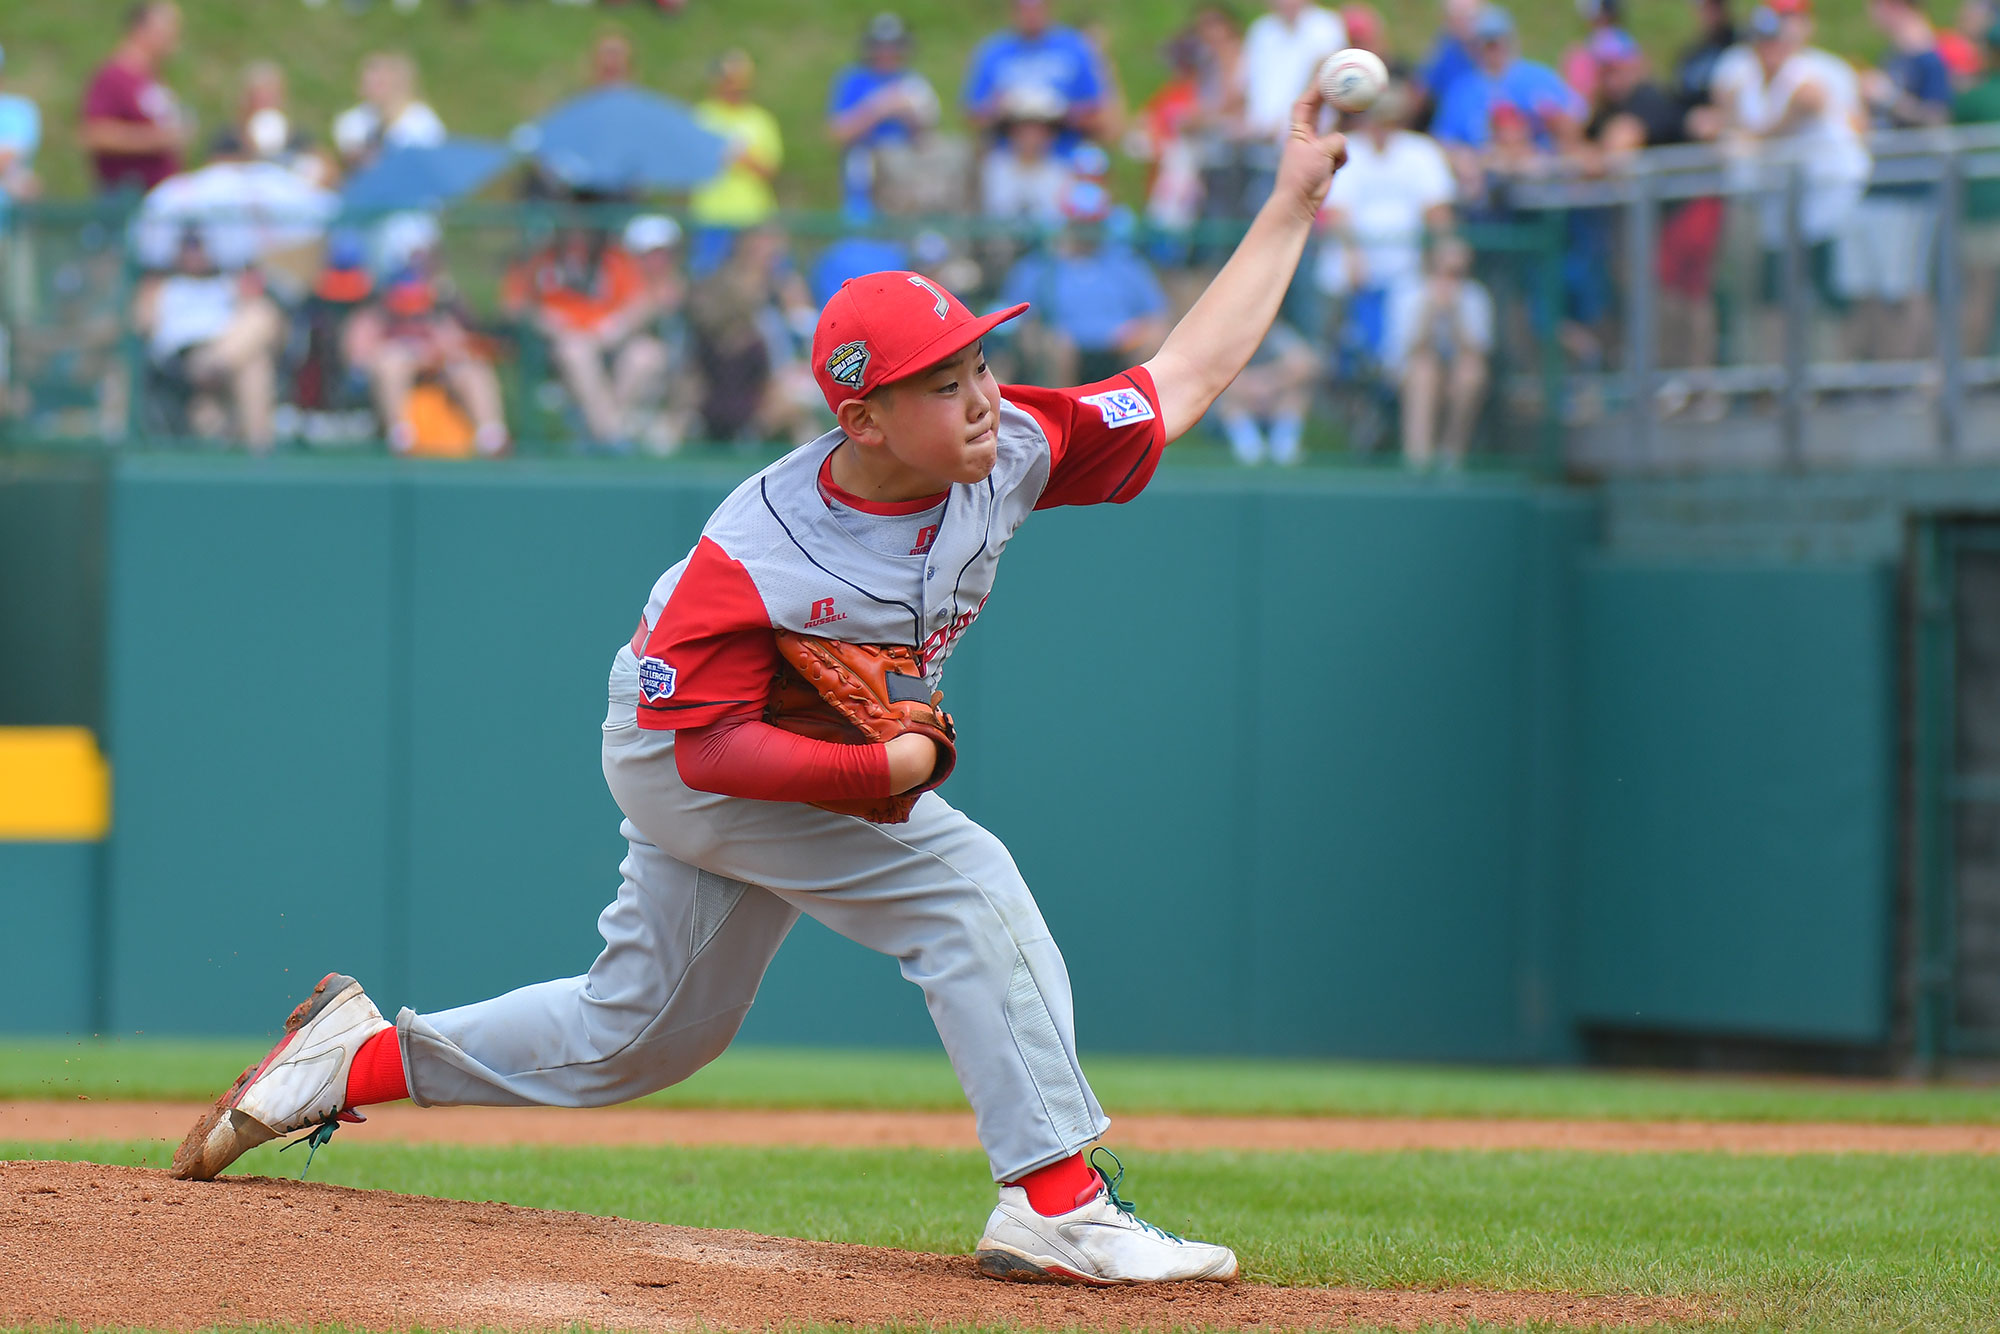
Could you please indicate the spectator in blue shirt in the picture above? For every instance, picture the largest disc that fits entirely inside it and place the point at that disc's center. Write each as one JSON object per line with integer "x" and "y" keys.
{"x": 1097, "y": 309}
{"x": 20, "y": 136}
{"x": 1882, "y": 260}
{"x": 1450, "y": 58}
{"x": 877, "y": 102}
{"x": 1038, "y": 51}
{"x": 1554, "y": 112}
{"x": 1912, "y": 85}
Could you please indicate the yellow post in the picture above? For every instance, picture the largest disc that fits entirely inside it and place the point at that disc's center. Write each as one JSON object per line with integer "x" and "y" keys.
{"x": 55, "y": 786}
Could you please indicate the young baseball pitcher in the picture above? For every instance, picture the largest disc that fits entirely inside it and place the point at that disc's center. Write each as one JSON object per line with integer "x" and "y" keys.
{"x": 773, "y": 738}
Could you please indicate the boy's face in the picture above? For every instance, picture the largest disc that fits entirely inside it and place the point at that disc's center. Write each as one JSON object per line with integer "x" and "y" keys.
{"x": 941, "y": 422}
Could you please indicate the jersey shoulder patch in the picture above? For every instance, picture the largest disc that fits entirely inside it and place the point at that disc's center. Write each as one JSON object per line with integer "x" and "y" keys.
{"x": 1120, "y": 407}
{"x": 656, "y": 679}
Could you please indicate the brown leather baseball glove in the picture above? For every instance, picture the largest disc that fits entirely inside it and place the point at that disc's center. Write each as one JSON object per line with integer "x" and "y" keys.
{"x": 860, "y": 694}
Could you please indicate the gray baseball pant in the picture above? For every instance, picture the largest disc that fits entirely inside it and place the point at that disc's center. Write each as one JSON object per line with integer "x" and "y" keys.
{"x": 711, "y": 886}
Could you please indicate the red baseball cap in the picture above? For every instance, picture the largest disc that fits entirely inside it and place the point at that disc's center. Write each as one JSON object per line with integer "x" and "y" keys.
{"x": 883, "y": 326}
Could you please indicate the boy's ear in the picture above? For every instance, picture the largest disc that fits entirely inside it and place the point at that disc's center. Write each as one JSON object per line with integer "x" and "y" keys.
{"x": 861, "y": 420}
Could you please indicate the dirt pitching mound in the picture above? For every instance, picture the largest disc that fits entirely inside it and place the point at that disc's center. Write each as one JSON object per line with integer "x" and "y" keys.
{"x": 126, "y": 1246}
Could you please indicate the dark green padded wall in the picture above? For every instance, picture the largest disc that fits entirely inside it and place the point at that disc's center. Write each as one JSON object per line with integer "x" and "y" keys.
{"x": 51, "y": 655}
{"x": 1392, "y": 816}
{"x": 48, "y": 950}
{"x": 51, "y": 592}
{"x": 1735, "y": 829}
{"x": 252, "y": 721}
{"x": 1301, "y": 824}
{"x": 1321, "y": 763}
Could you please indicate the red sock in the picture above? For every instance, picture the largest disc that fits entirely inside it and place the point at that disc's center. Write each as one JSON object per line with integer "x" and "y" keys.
{"x": 1061, "y": 1187}
{"x": 377, "y": 1073}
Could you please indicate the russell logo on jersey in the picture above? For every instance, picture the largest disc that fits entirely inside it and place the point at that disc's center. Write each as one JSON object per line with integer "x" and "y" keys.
{"x": 824, "y": 614}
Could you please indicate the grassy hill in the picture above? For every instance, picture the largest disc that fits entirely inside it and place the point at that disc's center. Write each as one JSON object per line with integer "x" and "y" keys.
{"x": 490, "y": 65}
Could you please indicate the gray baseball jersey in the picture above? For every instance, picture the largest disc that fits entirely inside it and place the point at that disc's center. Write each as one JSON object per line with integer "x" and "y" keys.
{"x": 712, "y": 883}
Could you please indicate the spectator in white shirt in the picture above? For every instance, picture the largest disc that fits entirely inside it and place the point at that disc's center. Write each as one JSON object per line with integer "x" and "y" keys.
{"x": 1801, "y": 105}
{"x": 1440, "y": 337}
{"x": 1023, "y": 178}
{"x": 217, "y": 336}
{"x": 267, "y": 129}
{"x": 1281, "y": 54}
{"x": 389, "y": 114}
{"x": 1397, "y": 185}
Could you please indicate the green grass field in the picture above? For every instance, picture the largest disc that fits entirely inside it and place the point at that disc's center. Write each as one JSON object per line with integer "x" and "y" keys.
{"x": 493, "y": 66}
{"x": 1808, "y": 1242}
{"x": 780, "y": 1077}
{"x": 1783, "y": 1243}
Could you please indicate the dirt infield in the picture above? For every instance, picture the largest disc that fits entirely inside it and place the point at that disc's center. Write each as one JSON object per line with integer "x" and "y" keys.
{"x": 402, "y": 1123}
{"x": 126, "y": 1246}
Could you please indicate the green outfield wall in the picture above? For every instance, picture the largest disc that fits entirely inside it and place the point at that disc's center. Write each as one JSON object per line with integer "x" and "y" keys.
{"x": 1736, "y": 800}
{"x": 52, "y": 552}
{"x": 1317, "y": 762}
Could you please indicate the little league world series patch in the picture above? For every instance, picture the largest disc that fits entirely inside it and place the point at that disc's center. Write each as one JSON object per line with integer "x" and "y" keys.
{"x": 1121, "y": 407}
{"x": 656, "y": 680}
{"x": 848, "y": 363}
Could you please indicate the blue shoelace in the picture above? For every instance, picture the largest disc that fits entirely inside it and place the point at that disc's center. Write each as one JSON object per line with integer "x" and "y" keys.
{"x": 1112, "y": 1180}
{"x": 312, "y": 1139}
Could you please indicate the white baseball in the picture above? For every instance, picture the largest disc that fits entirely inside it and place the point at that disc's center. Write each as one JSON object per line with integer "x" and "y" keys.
{"x": 1352, "y": 79}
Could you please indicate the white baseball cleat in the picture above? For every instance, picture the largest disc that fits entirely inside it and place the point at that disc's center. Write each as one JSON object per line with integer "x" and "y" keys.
{"x": 303, "y": 1082}
{"x": 1102, "y": 1242}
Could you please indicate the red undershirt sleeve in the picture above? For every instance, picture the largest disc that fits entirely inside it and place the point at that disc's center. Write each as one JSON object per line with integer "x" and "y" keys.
{"x": 744, "y": 756}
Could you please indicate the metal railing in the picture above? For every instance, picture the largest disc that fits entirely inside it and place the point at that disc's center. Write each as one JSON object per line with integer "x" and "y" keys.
{"x": 1783, "y": 391}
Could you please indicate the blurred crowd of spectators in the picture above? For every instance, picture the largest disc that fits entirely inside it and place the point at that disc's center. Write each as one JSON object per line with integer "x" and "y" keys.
{"x": 638, "y": 327}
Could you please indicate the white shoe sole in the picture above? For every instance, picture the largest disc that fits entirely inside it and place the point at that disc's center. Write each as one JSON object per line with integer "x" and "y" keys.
{"x": 1010, "y": 1265}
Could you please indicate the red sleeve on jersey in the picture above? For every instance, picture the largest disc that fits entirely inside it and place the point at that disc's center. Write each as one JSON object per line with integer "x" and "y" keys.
{"x": 745, "y": 757}
{"x": 1104, "y": 439}
{"x": 712, "y": 653}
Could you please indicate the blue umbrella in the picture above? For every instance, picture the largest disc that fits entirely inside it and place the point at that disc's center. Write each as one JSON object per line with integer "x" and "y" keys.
{"x": 424, "y": 177}
{"x": 617, "y": 139}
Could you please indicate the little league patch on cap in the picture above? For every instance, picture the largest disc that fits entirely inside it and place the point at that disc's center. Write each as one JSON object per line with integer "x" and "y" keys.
{"x": 849, "y": 364}
{"x": 884, "y": 326}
